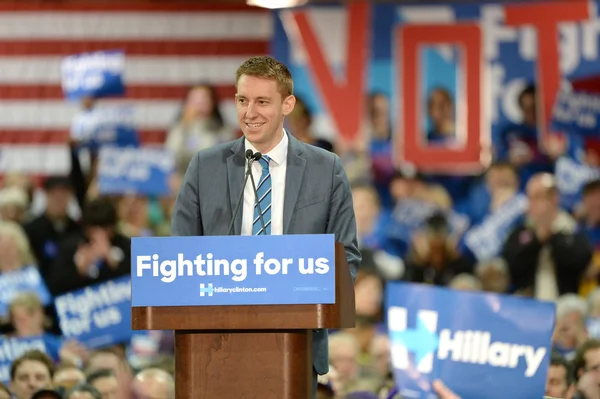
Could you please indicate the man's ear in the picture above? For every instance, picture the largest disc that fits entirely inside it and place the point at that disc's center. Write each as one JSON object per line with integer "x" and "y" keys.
{"x": 288, "y": 104}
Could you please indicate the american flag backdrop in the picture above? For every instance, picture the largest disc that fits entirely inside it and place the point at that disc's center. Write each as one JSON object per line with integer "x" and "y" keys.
{"x": 168, "y": 47}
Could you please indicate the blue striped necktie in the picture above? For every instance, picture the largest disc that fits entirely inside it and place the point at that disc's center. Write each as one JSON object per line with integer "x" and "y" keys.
{"x": 264, "y": 199}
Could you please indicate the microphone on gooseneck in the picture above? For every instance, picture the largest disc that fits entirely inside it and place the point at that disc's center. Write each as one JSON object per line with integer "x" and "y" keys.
{"x": 257, "y": 157}
{"x": 250, "y": 157}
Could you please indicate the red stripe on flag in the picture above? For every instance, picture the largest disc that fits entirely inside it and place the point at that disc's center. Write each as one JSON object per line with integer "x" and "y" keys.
{"x": 59, "y": 136}
{"x": 133, "y": 6}
{"x": 14, "y": 48}
{"x": 139, "y": 92}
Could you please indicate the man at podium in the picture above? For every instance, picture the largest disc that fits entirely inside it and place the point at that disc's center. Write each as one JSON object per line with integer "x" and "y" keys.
{"x": 299, "y": 189}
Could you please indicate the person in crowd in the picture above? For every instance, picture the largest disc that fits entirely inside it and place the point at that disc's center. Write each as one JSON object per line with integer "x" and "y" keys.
{"x": 586, "y": 366}
{"x": 560, "y": 376}
{"x": 199, "y": 125}
{"x": 547, "y": 256}
{"x": 98, "y": 255}
{"x": 15, "y": 251}
{"x": 82, "y": 391}
{"x": 344, "y": 352}
{"x": 13, "y": 204}
{"x": 4, "y": 392}
{"x": 440, "y": 108}
{"x": 433, "y": 257}
{"x": 493, "y": 275}
{"x": 30, "y": 372}
{"x": 465, "y": 282}
{"x": 133, "y": 217}
{"x": 590, "y": 226}
{"x": 67, "y": 375}
{"x": 300, "y": 123}
{"x": 153, "y": 383}
{"x": 112, "y": 360}
{"x": 106, "y": 382}
{"x": 570, "y": 327}
{"x": 47, "y": 231}
{"x": 27, "y": 317}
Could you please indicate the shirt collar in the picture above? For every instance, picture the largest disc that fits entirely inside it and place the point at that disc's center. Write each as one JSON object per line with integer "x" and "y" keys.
{"x": 277, "y": 154}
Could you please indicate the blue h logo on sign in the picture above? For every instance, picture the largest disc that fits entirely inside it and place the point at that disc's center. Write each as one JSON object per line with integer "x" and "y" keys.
{"x": 422, "y": 341}
{"x": 206, "y": 289}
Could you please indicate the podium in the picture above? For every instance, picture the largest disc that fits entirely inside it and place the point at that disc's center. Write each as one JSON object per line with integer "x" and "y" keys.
{"x": 249, "y": 351}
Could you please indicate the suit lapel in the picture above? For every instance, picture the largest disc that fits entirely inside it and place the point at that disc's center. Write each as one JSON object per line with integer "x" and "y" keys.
{"x": 235, "y": 177}
{"x": 293, "y": 180}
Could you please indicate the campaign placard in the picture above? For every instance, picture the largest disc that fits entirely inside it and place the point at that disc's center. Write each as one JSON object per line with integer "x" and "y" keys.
{"x": 96, "y": 74}
{"x": 233, "y": 270}
{"x": 481, "y": 345}
{"x": 12, "y": 347}
{"x": 135, "y": 170}
{"x": 98, "y": 315}
{"x": 27, "y": 279}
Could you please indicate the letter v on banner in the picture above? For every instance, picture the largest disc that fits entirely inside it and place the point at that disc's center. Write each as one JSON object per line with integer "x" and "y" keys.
{"x": 345, "y": 101}
{"x": 545, "y": 18}
{"x": 410, "y": 145}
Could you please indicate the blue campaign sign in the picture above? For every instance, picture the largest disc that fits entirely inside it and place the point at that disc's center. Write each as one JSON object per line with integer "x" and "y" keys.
{"x": 480, "y": 345}
{"x": 98, "y": 315}
{"x": 134, "y": 170}
{"x": 577, "y": 112}
{"x": 233, "y": 270}
{"x": 24, "y": 280}
{"x": 97, "y": 74}
{"x": 99, "y": 127}
{"x": 12, "y": 348}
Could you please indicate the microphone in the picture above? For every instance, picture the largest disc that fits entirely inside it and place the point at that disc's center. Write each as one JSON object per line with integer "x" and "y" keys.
{"x": 250, "y": 156}
{"x": 257, "y": 156}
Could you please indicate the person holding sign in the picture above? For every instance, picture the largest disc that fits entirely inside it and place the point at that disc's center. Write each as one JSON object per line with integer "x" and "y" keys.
{"x": 302, "y": 189}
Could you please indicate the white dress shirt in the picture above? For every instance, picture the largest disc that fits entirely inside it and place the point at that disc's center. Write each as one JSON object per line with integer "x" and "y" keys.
{"x": 277, "y": 167}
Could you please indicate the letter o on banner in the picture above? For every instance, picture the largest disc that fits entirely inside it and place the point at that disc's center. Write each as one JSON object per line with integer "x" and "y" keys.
{"x": 409, "y": 146}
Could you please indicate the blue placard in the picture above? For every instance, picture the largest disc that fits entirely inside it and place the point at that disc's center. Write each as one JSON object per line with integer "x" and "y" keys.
{"x": 480, "y": 345}
{"x": 97, "y": 74}
{"x": 98, "y": 315}
{"x": 99, "y": 127}
{"x": 12, "y": 348}
{"x": 577, "y": 112}
{"x": 19, "y": 281}
{"x": 233, "y": 270}
{"x": 134, "y": 170}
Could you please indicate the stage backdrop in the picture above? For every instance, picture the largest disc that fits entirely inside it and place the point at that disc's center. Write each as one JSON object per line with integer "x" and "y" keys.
{"x": 484, "y": 55}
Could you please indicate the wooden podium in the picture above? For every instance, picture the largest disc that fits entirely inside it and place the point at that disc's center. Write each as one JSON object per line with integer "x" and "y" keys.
{"x": 247, "y": 352}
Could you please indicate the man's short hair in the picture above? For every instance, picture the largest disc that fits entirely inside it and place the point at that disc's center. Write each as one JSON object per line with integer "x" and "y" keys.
{"x": 556, "y": 359}
{"x": 591, "y": 186}
{"x": 34, "y": 355}
{"x": 83, "y": 388}
{"x": 579, "y": 360}
{"x": 267, "y": 67}
{"x": 99, "y": 374}
{"x": 100, "y": 212}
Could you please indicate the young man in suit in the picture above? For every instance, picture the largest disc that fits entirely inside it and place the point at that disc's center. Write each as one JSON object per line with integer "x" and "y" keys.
{"x": 302, "y": 189}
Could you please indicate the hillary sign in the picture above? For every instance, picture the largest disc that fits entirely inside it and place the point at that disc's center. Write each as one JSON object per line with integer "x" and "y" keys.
{"x": 481, "y": 345}
{"x": 233, "y": 270}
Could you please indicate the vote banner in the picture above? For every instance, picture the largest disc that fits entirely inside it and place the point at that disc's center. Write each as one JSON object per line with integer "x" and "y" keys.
{"x": 480, "y": 345}
{"x": 98, "y": 315}
{"x": 577, "y": 112}
{"x": 134, "y": 170}
{"x": 20, "y": 281}
{"x": 233, "y": 270}
{"x": 12, "y": 348}
{"x": 96, "y": 74}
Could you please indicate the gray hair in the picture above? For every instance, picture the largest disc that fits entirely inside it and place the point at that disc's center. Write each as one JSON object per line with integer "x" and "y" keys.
{"x": 571, "y": 303}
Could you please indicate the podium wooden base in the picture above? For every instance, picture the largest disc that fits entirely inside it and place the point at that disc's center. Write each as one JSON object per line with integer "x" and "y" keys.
{"x": 250, "y": 364}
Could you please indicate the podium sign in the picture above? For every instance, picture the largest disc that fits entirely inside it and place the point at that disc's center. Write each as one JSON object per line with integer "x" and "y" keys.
{"x": 233, "y": 270}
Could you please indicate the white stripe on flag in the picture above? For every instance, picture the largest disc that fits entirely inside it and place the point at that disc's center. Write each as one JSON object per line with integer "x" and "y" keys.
{"x": 138, "y": 70}
{"x": 35, "y": 159}
{"x": 59, "y": 114}
{"x": 136, "y": 25}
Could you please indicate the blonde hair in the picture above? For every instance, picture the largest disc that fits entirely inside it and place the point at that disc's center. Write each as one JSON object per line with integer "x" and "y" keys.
{"x": 14, "y": 230}
{"x": 267, "y": 67}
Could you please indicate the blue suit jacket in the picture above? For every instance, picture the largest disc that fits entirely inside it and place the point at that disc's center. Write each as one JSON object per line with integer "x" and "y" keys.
{"x": 317, "y": 200}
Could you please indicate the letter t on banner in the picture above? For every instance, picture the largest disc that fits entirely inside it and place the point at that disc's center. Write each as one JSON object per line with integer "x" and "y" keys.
{"x": 545, "y": 18}
{"x": 409, "y": 145}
